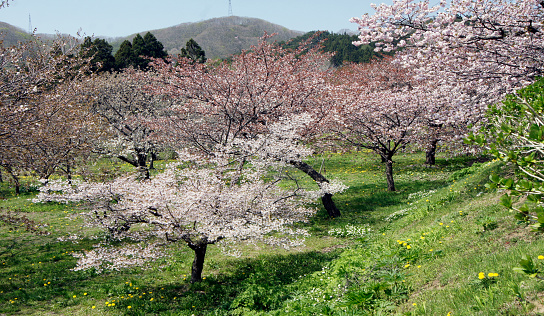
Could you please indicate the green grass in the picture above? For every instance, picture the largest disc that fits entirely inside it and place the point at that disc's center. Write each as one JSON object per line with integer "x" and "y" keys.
{"x": 453, "y": 225}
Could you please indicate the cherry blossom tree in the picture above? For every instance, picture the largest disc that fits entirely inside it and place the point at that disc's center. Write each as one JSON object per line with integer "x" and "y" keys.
{"x": 120, "y": 100}
{"x": 41, "y": 126}
{"x": 379, "y": 106}
{"x": 199, "y": 200}
{"x": 218, "y": 104}
{"x": 476, "y": 50}
{"x": 494, "y": 42}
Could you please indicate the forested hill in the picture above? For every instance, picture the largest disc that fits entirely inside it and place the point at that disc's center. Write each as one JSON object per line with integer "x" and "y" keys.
{"x": 219, "y": 37}
{"x": 11, "y": 35}
{"x": 340, "y": 44}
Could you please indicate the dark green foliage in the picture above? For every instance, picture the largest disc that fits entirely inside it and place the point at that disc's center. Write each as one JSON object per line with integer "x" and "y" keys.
{"x": 136, "y": 53}
{"x": 193, "y": 51}
{"x": 124, "y": 56}
{"x": 101, "y": 52}
{"x": 139, "y": 50}
{"x": 339, "y": 44}
{"x": 153, "y": 48}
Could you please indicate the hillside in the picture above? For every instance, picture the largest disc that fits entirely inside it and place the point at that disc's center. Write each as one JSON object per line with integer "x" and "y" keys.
{"x": 219, "y": 37}
{"x": 341, "y": 44}
{"x": 11, "y": 35}
{"x": 441, "y": 245}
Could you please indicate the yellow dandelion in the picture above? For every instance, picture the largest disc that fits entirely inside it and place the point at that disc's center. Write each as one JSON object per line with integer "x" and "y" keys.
{"x": 541, "y": 257}
{"x": 129, "y": 307}
{"x": 481, "y": 275}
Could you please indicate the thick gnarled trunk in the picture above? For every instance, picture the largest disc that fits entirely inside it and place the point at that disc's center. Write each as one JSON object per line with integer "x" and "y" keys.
{"x": 327, "y": 201}
{"x": 198, "y": 262}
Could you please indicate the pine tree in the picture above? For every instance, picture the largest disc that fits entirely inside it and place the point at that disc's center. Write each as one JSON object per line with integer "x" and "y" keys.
{"x": 101, "y": 52}
{"x": 193, "y": 51}
{"x": 139, "y": 50}
{"x": 153, "y": 48}
{"x": 124, "y": 57}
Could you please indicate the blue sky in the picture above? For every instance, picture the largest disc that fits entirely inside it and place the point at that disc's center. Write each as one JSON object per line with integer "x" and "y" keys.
{"x": 124, "y": 17}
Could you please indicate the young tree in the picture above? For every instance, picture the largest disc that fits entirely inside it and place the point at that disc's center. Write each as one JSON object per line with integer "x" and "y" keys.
{"x": 199, "y": 200}
{"x": 239, "y": 100}
{"x": 515, "y": 135}
{"x": 379, "y": 107}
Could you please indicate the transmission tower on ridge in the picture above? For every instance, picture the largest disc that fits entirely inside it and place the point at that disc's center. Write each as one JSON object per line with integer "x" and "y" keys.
{"x": 30, "y": 30}
{"x": 230, "y": 7}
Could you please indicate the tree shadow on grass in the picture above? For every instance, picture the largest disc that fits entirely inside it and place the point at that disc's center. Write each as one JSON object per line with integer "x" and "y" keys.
{"x": 38, "y": 275}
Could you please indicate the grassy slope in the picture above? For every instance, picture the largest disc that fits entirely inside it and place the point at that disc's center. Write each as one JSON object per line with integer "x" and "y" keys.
{"x": 442, "y": 209}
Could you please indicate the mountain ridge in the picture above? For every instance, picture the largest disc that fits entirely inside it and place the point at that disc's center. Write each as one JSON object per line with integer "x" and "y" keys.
{"x": 219, "y": 37}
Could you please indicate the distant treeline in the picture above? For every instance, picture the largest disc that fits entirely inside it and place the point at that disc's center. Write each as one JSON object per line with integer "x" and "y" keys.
{"x": 340, "y": 44}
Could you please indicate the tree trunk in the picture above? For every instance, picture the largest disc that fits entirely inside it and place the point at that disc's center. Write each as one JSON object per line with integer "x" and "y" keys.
{"x": 430, "y": 154}
{"x": 15, "y": 179}
{"x": 68, "y": 173}
{"x": 389, "y": 174}
{"x": 198, "y": 262}
{"x": 140, "y": 164}
{"x": 153, "y": 157}
{"x": 327, "y": 201}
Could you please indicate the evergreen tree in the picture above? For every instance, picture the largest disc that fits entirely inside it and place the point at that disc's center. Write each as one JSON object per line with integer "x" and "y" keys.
{"x": 101, "y": 52}
{"x": 124, "y": 57}
{"x": 341, "y": 45}
{"x": 153, "y": 48}
{"x": 139, "y": 49}
{"x": 193, "y": 51}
